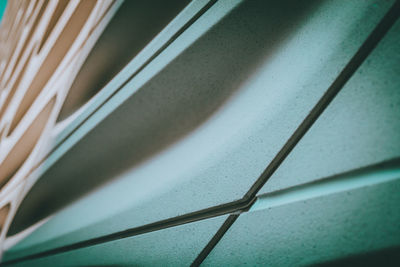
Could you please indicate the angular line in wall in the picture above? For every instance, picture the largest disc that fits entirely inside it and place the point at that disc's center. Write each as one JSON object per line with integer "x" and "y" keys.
{"x": 369, "y": 176}
{"x": 355, "y": 62}
{"x": 249, "y": 198}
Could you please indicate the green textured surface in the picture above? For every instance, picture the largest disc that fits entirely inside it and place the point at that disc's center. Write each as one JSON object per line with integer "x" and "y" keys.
{"x": 360, "y": 127}
{"x": 342, "y": 219}
{"x": 280, "y": 68}
{"x": 176, "y": 246}
{"x": 314, "y": 231}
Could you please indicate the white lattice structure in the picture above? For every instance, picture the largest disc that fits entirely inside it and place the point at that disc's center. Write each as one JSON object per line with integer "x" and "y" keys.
{"x": 43, "y": 45}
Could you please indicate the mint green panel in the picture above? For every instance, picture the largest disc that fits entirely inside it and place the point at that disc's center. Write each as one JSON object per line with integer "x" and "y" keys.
{"x": 201, "y": 122}
{"x": 176, "y": 246}
{"x": 359, "y": 128}
{"x": 3, "y": 4}
{"x": 336, "y": 227}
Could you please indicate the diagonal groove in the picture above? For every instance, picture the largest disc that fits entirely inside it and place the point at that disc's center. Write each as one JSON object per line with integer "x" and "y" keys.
{"x": 355, "y": 62}
{"x": 347, "y": 181}
{"x": 214, "y": 240}
{"x": 378, "y": 173}
{"x": 249, "y": 198}
{"x": 232, "y": 207}
{"x": 366, "y": 48}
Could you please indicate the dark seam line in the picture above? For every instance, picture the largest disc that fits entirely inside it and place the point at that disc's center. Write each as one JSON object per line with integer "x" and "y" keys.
{"x": 361, "y": 171}
{"x": 213, "y": 242}
{"x": 392, "y": 163}
{"x": 158, "y": 52}
{"x": 366, "y": 48}
{"x": 228, "y": 208}
{"x": 147, "y": 62}
{"x": 250, "y": 197}
{"x": 355, "y": 62}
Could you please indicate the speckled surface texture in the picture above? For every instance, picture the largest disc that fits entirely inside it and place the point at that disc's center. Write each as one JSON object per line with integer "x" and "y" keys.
{"x": 315, "y": 230}
{"x": 176, "y": 246}
{"x": 206, "y": 118}
{"x": 360, "y": 127}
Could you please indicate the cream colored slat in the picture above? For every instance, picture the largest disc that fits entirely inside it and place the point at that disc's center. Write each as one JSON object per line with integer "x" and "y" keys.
{"x": 19, "y": 48}
{"x": 66, "y": 82}
{"x": 37, "y": 107}
{"x": 12, "y": 40}
{"x": 20, "y": 147}
{"x": 9, "y": 142}
{"x": 24, "y": 58}
{"x": 16, "y": 46}
{"x": 59, "y": 55}
{"x": 39, "y": 20}
{"x": 26, "y": 40}
{"x": 56, "y": 43}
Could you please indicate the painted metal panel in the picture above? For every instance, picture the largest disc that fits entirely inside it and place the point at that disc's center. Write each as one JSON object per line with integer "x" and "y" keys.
{"x": 199, "y": 124}
{"x": 359, "y": 128}
{"x": 344, "y": 227}
{"x": 350, "y": 218}
{"x": 176, "y": 246}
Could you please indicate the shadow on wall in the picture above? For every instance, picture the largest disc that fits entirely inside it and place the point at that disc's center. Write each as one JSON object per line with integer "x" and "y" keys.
{"x": 385, "y": 257}
{"x": 132, "y": 27}
{"x": 172, "y": 104}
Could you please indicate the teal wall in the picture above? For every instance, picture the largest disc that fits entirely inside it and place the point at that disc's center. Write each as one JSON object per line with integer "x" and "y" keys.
{"x": 179, "y": 148}
{"x": 3, "y": 4}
